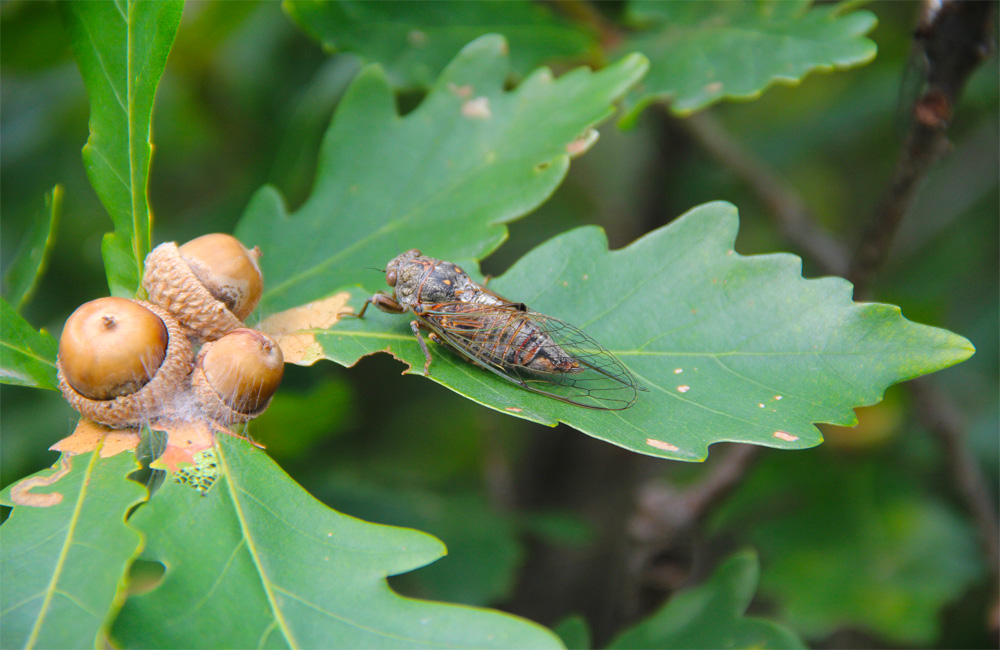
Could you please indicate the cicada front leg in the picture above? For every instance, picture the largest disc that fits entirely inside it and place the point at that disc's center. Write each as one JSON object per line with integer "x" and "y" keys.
{"x": 383, "y": 302}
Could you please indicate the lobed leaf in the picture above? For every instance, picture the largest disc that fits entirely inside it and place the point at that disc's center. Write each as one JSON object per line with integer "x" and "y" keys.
{"x": 415, "y": 40}
{"x": 121, "y": 48}
{"x": 730, "y": 348}
{"x": 484, "y": 550}
{"x": 712, "y": 615}
{"x": 32, "y": 255}
{"x": 66, "y": 551}
{"x": 304, "y": 575}
{"x": 908, "y": 555}
{"x": 27, "y": 355}
{"x": 446, "y": 177}
{"x": 704, "y": 52}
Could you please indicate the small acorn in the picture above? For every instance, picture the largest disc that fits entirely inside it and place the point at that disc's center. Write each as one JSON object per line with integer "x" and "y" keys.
{"x": 235, "y": 376}
{"x": 210, "y": 284}
{"x": 121, "y": 360}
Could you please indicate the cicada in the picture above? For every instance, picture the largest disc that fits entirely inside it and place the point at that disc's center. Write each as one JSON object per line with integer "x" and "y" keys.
{"x": 537, "y": 352}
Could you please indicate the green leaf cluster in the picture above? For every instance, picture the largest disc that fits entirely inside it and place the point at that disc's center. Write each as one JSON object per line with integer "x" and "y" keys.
{"x": 448, "y": 133}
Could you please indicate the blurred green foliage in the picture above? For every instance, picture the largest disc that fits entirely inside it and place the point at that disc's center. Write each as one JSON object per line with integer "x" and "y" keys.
{"x": 244, "y": 100}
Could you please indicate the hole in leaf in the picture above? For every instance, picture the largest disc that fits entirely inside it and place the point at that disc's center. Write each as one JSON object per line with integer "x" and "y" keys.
{"x": 144, "y": 576}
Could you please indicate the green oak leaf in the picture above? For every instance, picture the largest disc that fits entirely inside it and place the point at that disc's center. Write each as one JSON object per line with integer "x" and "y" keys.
{"x": 484, "y": 552}
{"x": 711, "y": 615}
{"x": 703, "y": 52}
{"x": 415, "y": 40}
{"x": 851, "y": 541}
{"x": 305, "y": 576}
{"x": 121, "y": 48}
{"x": 447, "y": 175}
{"x": 27, "y": 355}
{"x": 31, "y": 258}
{"x": 64, "y": 564}
{"x": 730, "y": 348}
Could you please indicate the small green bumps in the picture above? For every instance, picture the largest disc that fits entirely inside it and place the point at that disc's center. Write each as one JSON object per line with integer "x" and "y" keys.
{"x": 202, "y": 474}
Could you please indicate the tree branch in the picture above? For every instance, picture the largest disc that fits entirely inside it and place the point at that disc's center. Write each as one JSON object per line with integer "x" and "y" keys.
{"x": 953, "y": 41}
{"x": 787, "y": 209}
{"x": 939, "y": 414}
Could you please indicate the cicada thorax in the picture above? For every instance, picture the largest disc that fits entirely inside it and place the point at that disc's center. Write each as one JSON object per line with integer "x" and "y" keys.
{"x": 425, "y": 280}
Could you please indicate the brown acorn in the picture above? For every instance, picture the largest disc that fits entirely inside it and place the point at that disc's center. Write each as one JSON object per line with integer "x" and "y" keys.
{"x": 210, "y": 284}
{"x": 120, "y": 361}
{"x": 235, "y": 376}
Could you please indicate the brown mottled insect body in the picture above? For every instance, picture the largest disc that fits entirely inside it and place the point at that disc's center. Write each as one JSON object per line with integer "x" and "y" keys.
{"x": 535, "y": 351}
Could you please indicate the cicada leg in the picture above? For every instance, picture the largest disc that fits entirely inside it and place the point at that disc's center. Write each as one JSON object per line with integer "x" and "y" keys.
{"x": 415, "y": 326}
{"x": 383, "y": 302}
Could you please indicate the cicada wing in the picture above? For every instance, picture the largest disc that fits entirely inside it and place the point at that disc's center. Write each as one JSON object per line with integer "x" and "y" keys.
{"x": 600, "y": 380}
{"x": 537, "y": 352}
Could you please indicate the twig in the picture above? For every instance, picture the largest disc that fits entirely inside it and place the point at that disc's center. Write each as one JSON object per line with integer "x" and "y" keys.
{"x": 939, "y": 414}
{"x": 665, "y": 519}
{"x": 953, "y": 40}
{"x": 789, "y": 212}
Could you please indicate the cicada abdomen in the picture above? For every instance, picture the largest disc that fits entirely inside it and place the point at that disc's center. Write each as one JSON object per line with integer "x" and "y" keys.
{"x": 538, "y": 352}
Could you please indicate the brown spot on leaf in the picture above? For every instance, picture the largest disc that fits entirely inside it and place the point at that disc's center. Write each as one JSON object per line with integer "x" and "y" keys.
{"x": 583, "y": 143}
{"x": 683, "y": 389}
{"x": 22, "y": 495}
{"x": 184, "y": 440}
{"x": 513, "y": 409}
{"x": 416, "y": 38}
{"x": 713, "y": 88}
{"x": 659, "y": 444}
{"x": 90, "y": 435}
{"x": 477, "y": 109}
{"x": 294, "y": 329}
{"x": 462, "y": 92}
{"x": 784, "y": 435}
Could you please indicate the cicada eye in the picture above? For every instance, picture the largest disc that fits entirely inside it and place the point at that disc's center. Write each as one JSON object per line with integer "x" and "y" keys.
{"x": 413, "y": 252}
{"x": 390, "y": 278}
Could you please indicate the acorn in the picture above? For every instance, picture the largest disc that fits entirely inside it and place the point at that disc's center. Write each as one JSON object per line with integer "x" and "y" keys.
{"x": 235, "y": 376}
{"x": 210, "y": 284}
{"x": 121, "y": 360}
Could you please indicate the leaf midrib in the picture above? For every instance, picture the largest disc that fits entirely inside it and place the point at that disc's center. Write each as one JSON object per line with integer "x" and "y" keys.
{"x": 133, "y": 166}
{"x": 64, "y": 551}
{"x": 249, "y": 540}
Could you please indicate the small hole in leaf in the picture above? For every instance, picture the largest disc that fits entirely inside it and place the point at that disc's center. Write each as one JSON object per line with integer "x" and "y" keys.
{"x": 144, "y": 576}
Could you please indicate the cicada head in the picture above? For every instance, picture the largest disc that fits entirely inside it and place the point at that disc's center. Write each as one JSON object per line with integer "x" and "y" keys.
{"x": 392, "y": 269}
{"x": 403, "y": 274}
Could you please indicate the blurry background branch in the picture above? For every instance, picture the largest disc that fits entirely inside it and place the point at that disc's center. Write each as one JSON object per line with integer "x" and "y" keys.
{"x": 951, "y": 42}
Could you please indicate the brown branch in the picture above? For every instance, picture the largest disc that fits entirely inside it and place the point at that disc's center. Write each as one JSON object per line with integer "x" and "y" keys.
{"x": 953, "y": 41}
{"x": 663, "y": 527}
{"x": 939, "y": 414}
{"x": 789, "y": 213}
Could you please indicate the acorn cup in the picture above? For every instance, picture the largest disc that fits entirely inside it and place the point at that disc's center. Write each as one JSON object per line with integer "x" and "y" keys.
{"x": 210, "y": 284}
{"x": 235, "y": 376}
{"x": 121, "y": 360}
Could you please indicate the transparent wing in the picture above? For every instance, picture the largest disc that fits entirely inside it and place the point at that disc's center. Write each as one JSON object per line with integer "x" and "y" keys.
{"x": 537, "y": 352}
